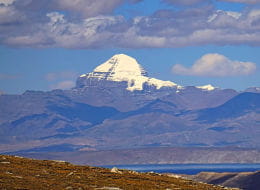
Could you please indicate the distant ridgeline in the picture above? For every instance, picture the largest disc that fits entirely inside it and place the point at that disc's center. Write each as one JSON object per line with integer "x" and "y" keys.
{"x": 118, "y": 106}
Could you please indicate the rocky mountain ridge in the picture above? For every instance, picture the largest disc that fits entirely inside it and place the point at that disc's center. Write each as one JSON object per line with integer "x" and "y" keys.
{"x": 106, "y": 111}
{"x": 123, "y": 68}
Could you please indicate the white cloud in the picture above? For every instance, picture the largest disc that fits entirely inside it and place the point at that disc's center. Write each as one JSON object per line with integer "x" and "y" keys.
{"x": 216, "y": 65}
{"x": 34, "y": 40}
{"x": 7, "y": 2}
{"x": 8, "y": 14}
{"x": 34, "y": 24}
{"x": 243, "y": 1}
{"x": 91, "y": 32}
{"x": 184, "y": 2}
{"x": 60, "y": 75}
{"x": 61, "y": 80}
{"x": 63, "y": 85}
{"x": 194, "y": 2}
{"x": 88, "y": 8}
{"x": 254, "y": 14}
{"x": 224, "y": 15}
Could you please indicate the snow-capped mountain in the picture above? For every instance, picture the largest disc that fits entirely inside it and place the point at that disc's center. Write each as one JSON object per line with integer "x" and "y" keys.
{"x": 121, "y": 82}
{"x": 123, "y": 68}
{"x": 119, "y": 106}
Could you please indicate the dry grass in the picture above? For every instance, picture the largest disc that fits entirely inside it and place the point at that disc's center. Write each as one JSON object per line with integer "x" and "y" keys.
{"x": 21, "y": 173}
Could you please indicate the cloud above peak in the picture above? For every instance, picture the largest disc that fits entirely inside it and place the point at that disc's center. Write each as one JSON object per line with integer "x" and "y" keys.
{"x": 243, "y": 1}
{"x": 195, "y": 2}
{"x": 64, "y": 85}
{"x": 215, "y": 65}
{"x": 6, "y": 2}
{"x": 61, "y": 80}
{"x": 88, "y": 8}
{"x": 88, "y": 24}
{"x": 184, "y": 2}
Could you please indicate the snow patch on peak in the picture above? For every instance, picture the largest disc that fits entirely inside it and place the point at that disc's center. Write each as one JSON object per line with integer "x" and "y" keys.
{"x": 123, "y": 68}
{"x": 83, "y": 75}
{"x": 208, "y": 87}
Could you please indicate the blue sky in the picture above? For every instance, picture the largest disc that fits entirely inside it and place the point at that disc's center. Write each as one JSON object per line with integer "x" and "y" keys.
{"x": 47, "y": 44}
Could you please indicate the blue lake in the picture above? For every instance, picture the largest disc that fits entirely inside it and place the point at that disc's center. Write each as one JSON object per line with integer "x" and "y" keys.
{"x": 190, "y": 168}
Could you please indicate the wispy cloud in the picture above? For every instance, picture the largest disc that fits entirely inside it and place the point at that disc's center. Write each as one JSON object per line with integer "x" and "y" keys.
{"x": 6, "y": 2}
{"x": 243, "y": 1}
{"x": 196, "y": 2}
{"x": 67, "y": 84}
{"x": 61, "y": 75}
{"x": 61, "y": 80}
{"x": 216, "y": 65}
{"x": 88, "y": 8}
{"x": 185, "y": 2}
{"x": 4, "y": 76}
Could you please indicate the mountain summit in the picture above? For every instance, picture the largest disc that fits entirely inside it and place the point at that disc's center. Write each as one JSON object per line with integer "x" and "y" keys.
{"x": 123, "y": 68}
{"x": 118, "y": 106}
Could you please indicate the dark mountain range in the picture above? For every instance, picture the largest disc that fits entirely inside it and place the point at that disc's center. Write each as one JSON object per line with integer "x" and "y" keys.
{"x": 244, "y": 103}
{"x": 142, "y": 156}
{"x": 118, "y": 106}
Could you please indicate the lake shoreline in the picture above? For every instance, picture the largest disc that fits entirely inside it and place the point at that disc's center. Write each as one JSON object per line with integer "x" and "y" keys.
{"x": 190, "y": 169}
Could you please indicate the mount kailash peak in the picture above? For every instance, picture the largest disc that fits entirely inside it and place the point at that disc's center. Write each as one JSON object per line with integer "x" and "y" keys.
{"x": 123, "y": 68}
{"x": 118, "y": 106}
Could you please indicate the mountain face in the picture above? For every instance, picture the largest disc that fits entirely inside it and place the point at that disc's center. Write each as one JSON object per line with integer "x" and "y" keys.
{"x": 119, "y": 106}
{"x": 123, "y": 84}
{"x": 240, "y": 105}
{"x": 123, "y": 69}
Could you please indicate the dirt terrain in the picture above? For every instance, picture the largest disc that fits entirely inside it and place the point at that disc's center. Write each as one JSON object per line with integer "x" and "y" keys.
{"x": 23, "y": 173}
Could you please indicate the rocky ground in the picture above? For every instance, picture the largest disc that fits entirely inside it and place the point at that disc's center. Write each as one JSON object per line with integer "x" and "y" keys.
{"x": 22, "y": 173}
{"x": 243, "y": 180}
